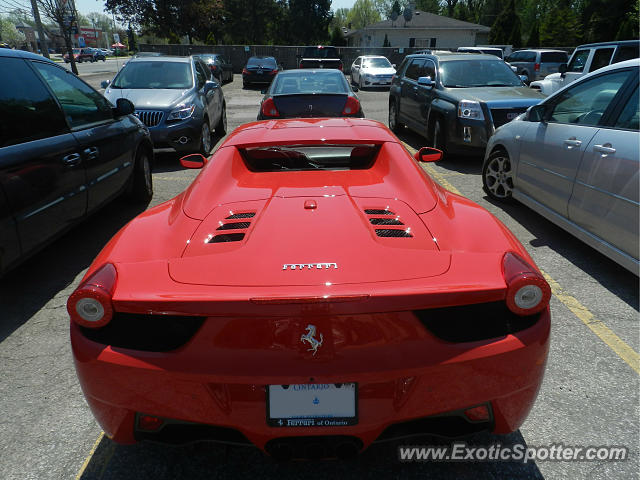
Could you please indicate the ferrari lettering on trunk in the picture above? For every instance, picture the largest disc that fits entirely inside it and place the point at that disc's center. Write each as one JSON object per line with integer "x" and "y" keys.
{"x": 302, "y": 266}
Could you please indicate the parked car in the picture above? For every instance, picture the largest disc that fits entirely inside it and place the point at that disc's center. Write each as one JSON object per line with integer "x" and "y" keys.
{"x": 456, "y": 100}
{"x": 536, "y": 64}
{"x": 65, "y": 153}
{"x": 585, "y": 59}
{"x": 310, "y": 93}
{"x": 220, "y": 67}
{"x": 320, "y": 57}
{"x": 80, "y": 55}
{"x": 372, "y": 71}
{"x": 259, "y": 70}
{"x": 98, "y": 55}
{"x": 176, "y": 98}
{"x": 488, "y": 50}
{"x": 294, "y": 300}
{"x": 574, "y": 159}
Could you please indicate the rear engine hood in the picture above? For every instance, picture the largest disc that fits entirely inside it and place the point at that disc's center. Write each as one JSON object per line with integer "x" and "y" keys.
{"x": 305, "y": 240}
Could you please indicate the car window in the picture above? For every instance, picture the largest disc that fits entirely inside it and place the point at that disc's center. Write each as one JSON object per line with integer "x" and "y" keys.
{"x": 81, "y": 104}
{"x": 585, "y": 104}
{"x": 310, "y": 82}
{"x": 514, "y": 57}
{"x": 553, "y": 57}
{"x": 266, "y": 62}
{"x": 358, "y": 61}
{"x": 578, "y": 61}
{"x": 429, "y": 70}
{"x": 529, "y": 57}
{"x": 630, "y": 116}
{"x": 25, "y": 100}
{"x": 201, "y": 74}
{"x": 413, "y": 70}
{"x": 626, "y": 52}
{"x": 601, "y": 58}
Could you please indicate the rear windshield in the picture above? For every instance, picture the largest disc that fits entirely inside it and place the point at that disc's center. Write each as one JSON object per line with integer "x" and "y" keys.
{"x": 310, "y": 157}
{"x": 143, "y": 75}
{"x": 320, "y": 52}
{"x": 553, "y": 57}
{"x": 269, "y": 62}
{"x": 376, "y": 63}
{"x": 309, "y": 82}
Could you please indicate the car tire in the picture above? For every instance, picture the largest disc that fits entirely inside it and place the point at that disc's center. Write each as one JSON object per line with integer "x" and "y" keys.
{"x": 141, "y": 187}
{"x": 438, "y": 136}
{"x": 394, "y": 124}
{"x": 221, "y": 127}
{"x": 360, "y": 82}
{"x": 205, "y": 138}
{"x": 230, "y": 76}
{"x": 497, "y": 176}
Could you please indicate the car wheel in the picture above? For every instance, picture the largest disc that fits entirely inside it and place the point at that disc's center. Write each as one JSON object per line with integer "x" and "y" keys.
{"x": 438, "y": 139}
{"x": 394, "y": 124}
{"x": 221, "y": 128}
{"x": 497, "y": 176}
{"x": 205, "y": 138}
{"x": 141, "y": 189}
{"x": 360, "y": 82}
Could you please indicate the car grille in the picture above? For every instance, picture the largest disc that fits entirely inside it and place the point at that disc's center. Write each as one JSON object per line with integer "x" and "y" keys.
{"x": 505, "y": 115}
{"x": 150, "y": 118}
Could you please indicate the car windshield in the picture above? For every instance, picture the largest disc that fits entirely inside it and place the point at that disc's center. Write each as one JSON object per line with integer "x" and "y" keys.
{"x": 267, "y": 62}
{"x": 208, "y": 58}
{"x": 143, "y": 75}
{"x": 477, "y": 73}
{"x": 309, "y": 82}
{"x": 376, "y": 63}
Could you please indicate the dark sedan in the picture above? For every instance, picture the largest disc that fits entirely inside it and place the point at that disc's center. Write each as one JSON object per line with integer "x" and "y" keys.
{"x": 259, "y": 70}
{"x": 221, "y": 68}
{"x": 310, "y": 93}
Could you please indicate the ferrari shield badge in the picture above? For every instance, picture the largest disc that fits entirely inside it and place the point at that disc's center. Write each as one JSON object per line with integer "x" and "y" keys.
{"x": 311, "y": 340}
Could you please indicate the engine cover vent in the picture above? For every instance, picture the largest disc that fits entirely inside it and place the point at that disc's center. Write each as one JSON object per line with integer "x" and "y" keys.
{"x": 227, "y": 237}
{"x": 235, "y": 216}
{"x": 375, "y": 211}
{"x": 234, "y": 226}
{"x": 385, "y": 221}
{"x": 393, "y": 232}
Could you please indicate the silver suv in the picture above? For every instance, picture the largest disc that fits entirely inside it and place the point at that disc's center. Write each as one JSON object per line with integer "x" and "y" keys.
{"x": 537, "y": 64}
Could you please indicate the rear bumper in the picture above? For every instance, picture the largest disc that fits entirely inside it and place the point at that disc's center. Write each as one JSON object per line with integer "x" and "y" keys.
{"x": 403, "y": 372}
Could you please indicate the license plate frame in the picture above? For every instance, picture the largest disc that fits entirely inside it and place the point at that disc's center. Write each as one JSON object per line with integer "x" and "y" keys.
{"x": 302, "y": 416}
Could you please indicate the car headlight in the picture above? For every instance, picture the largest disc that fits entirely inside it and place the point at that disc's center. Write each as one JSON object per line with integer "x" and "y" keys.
{"x": 182, "y": 112}
{"x": 470, "y": 109}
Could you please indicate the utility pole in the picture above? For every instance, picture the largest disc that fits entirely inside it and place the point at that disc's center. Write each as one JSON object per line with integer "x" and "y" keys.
{"x": 44, "y": 47}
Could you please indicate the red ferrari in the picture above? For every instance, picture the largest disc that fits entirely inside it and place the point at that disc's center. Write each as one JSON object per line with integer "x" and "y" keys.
{"x": 313, "y": 291}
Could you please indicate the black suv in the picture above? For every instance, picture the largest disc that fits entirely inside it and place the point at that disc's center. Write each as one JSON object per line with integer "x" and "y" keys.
{"x": 65, "y": 152}
{"x": 456, "y": 100}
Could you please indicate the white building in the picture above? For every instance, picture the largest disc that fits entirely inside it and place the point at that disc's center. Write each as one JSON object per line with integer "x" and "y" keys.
{"x": 424, "y": 30}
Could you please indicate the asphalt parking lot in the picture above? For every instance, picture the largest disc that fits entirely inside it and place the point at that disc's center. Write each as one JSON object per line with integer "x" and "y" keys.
{"x": 590, "y": 394}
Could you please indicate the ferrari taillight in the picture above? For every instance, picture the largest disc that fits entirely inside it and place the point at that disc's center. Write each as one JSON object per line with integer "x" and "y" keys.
{"x": 527, "y": 291}
{"x": 269, "y": 108}
{"x": 90, "y": 304}
{"x": 351, "y": 107}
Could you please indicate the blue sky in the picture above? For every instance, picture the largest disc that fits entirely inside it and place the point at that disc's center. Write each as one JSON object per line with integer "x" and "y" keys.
{"x": 88, "y": 6}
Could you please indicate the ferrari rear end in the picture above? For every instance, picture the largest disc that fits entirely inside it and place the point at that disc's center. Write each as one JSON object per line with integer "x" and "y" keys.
{"x": 307, "y": 312}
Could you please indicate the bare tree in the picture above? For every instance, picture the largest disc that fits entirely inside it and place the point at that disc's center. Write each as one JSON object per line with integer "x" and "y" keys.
{"x": 62, "y": 12}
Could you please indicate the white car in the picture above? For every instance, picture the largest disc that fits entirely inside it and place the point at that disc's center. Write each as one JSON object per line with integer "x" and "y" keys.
{"x": 372, "y": 71}
{"x": 574, "y": 159}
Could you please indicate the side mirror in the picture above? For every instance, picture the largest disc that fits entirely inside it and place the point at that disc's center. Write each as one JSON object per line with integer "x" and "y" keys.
{"x": 514, "y": 69}
{"x": 195, "y": 160}
{"x": 562, "y": 68}
{"x": 105, "y": 83}
{"x": 123, "y": 107}
{"x": 210, "y": 85}
{"x": 263, "y": 91}
{"x": 393, "y": 65}
{"x": 524, "y": 78}
{"x": 355, "y": 89}
{"x": 428, "y": 154}
{"x": 426, "y": 82}
{"x": 537, "y": 113}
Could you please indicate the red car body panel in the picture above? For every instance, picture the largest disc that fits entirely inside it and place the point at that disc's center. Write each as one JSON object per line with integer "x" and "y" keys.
{"x": 255, "y": 309}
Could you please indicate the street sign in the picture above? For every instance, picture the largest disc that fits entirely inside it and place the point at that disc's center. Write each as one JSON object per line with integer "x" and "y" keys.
{"x": 81, "y": 42}
{"x": 116, "y": 38}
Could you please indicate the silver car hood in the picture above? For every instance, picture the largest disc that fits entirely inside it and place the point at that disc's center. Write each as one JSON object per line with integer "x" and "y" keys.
{"x": 377, "y": 71}
{"x": 149, "y": 98}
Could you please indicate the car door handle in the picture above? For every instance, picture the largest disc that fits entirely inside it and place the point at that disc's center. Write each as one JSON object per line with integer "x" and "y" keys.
{"x": 605, "y": 149}
{"x": 91, "y": 153}
{"x": 72, "y": 159}
{"x": 572, "y": 142}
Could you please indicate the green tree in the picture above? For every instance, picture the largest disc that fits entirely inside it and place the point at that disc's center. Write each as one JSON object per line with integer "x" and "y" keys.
{"x": 431, "y": 6}
{"x": 337, "y": 37}
{"x": 340, "y": 17}
{"x": 248, "y": 21}
{"x": 307, "y": 21}
{"x": 534, "y": 35}
{"x": 502, "y": 28}
{"x": 560, "y": 27}
{"x": 363, "y": 13}
{"x": 9, "y": 34}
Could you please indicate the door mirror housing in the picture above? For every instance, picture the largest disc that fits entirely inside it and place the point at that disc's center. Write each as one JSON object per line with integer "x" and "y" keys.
{"x": 105, "y": 83}
{"x": 263, "y": 91}
{"x": 524, "y": 78}
{"x": 194, "y": 160}
{"x": 210, "y": 85}
{"x": 426, "y": 82}
{"x": 537, "y": 113}
{"x": 355, "y": 89}
{"x": 562, "y": 68}
{"x": 123, "y": 107}
{"x": 428, "y": 154}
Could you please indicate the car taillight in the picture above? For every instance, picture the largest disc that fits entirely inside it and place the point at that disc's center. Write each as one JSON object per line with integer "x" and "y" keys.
{"x": 213, "y": 67}
{"x": 536, "y": 67}
{"x": 269, "y": 108}
{"x": 351, "y": 107}
{"x": 300, "y": 66}
{"x": 90, "y": 304}
{"x": 245, "y": 71}
{"x": 527, "y": 291}
{"x": 274, "y": 71}
{"x": 340, "y": 67}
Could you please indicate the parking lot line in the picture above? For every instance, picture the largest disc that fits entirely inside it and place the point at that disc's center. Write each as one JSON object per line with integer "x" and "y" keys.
{"x": 604, "y": 333}
{"x": 88, "y": 459}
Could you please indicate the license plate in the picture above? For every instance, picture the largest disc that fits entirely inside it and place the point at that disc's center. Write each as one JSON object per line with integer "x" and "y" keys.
{"x": 312, "y": 405}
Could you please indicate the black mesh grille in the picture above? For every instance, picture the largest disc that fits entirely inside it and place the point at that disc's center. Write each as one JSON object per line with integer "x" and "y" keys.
{"x": 227, "y": 237}
{"x": 385, "y": 221}
{"x": 470, "y": 323}
{"x": 392, "y": 232}
{"x": 241, "y": 215}
{"x": 150, "y": 333}
{"x": 373, "y": 211}
{"x": 234, "y": 226}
